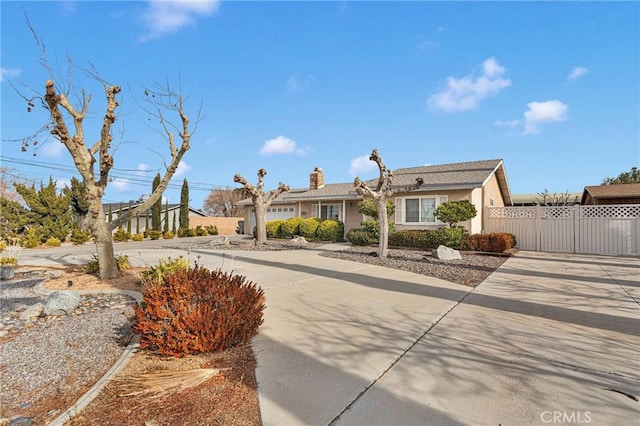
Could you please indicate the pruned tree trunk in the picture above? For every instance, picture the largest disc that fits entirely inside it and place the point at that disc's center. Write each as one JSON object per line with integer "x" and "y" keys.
{"x": 382, "y": 192}
{"x": 260, "y": 203}
{"x": 86, "y": 157}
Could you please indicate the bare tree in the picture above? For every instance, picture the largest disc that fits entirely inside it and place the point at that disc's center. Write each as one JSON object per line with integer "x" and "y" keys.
{"x": 562, "y": 199}
{"x": 223, "y": 202}
{"x": 382, "y": 192}
{"x": 7, "y": 189}
{"x": 66, "y": 124}
{"x": 260, "y": 202}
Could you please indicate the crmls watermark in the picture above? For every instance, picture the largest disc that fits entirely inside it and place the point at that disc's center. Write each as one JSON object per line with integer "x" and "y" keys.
{"x": 566, "y": 417}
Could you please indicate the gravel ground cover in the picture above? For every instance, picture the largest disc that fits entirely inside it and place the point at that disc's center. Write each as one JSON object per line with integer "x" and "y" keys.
{"x": 471, "y": 270}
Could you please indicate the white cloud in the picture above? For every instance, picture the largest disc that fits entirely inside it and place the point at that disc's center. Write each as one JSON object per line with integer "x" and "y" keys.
{"x": 543, "y": 112}
{"x": 466, "y": 93}
{"x": 6, "y": 73}
{"x": 507, "y": 123}
{"x": 279, "y": 145}
{"x": 52, "y": 148}
{"x": 295, "y": 83}
{"x": 361, "y": 165}
{"x": 182, "y": 169}
{"x": 163, "y": 17}
{"x": 119, "y": 185}
{"x": 577, "y": 73}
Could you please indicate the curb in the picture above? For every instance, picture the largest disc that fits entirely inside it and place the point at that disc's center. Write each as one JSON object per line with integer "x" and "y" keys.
{"x": 124, "y": 359}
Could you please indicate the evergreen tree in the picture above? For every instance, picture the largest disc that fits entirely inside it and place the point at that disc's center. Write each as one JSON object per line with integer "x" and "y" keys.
{"x": 14, "y": 219}
{"x": 184, "y": 206}
{"x": 165, "y": 229}
{"x": 146, "y": 224}
{"x": 50, "y": 211}
{"x": 129, "y": 221}
{"x": 156, "y": 208}
{"x": 78, "y": 201}
{"x": 137, "y": 223}
{"x": 173, "y": 229}
{"x": 110, "y": 214}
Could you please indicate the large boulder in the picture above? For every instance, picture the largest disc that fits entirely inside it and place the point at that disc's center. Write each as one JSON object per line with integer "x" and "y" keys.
{"x": 445, "y": 253}
{"x": 62, "y": 302}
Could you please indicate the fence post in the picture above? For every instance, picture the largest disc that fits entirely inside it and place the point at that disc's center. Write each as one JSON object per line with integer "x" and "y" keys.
{"x": 577, "y": 244}
{"x": 538, "y": 227}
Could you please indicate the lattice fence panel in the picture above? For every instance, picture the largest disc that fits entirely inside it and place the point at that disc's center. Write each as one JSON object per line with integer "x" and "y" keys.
{"x": 621, "y": 211}
{"x": 564, "y": 212}
{"x": 512, "y": 212}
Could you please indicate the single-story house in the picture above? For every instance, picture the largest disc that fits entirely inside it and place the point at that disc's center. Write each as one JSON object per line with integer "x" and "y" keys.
{"x": 174, "y": 210}
{"x": 626, "y": 193}
{"x": 520, "y": 200}
{"x": 484, "y": 183}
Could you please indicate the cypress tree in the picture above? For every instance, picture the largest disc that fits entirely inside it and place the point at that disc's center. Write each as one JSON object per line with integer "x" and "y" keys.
{"x": 184, "y": 206}
{"x": 110, "y": 217}
{"x": 166, "y": 217}
{"x": 137, "y": 223}
{"x": 146, "y": 224}
{"x": 156, "y": 209}
{"x": 129, "y": 221}
{"x": 173, "y": 229}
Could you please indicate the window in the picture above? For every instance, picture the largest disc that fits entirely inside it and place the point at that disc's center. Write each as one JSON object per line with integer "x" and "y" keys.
{"x": 329, "y": 211}
{"x": 418, "y": 210}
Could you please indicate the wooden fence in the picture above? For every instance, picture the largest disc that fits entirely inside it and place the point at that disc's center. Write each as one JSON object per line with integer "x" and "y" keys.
{"x": 608, "y": 229}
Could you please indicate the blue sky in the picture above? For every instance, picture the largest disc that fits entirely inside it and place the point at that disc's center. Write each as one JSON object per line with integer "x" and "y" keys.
{"x": 550, "y": 87}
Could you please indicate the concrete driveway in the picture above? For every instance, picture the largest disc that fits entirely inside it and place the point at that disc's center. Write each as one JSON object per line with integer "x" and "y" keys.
{"x": 546, "y": 339}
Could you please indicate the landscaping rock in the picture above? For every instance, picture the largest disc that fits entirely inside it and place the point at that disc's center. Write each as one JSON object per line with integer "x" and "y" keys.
{"x": 62, "y": 302}
{"x": 6, "y": 272}
{"x": 446, "y": 253}
{"x": 32, "y": 312}
{"x": 299, "y": 241}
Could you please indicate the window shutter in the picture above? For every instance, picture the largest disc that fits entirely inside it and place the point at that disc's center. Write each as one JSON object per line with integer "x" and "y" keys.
{"x": 399, "y": 205}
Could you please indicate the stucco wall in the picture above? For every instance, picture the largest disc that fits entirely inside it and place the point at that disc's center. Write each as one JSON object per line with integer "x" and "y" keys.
{"x": 492, "y": 190}
{"x": 225, "y": 225}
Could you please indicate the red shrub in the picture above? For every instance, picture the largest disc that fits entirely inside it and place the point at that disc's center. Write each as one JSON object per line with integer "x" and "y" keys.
{"x": 497, "y": 242}
{"x": 198, "y": 310}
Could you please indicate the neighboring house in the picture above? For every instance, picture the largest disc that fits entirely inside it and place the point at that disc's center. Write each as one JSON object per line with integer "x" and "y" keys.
{"x": 174, "y": 210}
{"x": 626, "y": 193}
{"x": 484, "y": 183}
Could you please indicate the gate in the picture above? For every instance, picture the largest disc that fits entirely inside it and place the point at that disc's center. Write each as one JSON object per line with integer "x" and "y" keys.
{"x": 608, "y": 229}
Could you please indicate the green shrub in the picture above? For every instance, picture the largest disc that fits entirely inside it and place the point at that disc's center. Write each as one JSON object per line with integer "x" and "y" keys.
{"x": 53, "y": 242}
{"x": 450, "y": 237}
{"x": 9, "y": 260}
{"x": 360, "y": 237}
{"x": 186, "y": 233}
{"x": 200, "y": 231}
{"x": 423, "y": 239}
{"x": 273, "y": 228}
{"x": 137, "y": 237}
{"x": 198, "y": 311}
{"x": 453, "y": 212}
{"x": 154, "y": 234}
{"x": 211, "y": 229}
{"x": 3, "y": 245}
{"x": 331, "y": 230}
{"x": 156, "y": 274}
{"x": 371, "y": 227}
{"x": 122, "y": 263}
{"x": 291, "y": 227}
{"x": 308, "y": 227}
{"x": 79, "y": 236}
{"x": 32, "y": 239}
{"x": 167, "y": 235}
{"x": 121, "y": 235}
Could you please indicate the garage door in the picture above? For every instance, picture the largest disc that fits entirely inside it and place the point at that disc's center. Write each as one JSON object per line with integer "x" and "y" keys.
{"x": 278, "y": 212}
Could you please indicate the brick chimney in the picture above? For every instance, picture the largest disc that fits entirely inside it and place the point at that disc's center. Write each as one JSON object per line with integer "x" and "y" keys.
{"x": 316, "y": 178}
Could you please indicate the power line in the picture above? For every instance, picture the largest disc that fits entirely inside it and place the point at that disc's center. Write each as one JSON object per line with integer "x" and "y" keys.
{"x": 131, "y": 178}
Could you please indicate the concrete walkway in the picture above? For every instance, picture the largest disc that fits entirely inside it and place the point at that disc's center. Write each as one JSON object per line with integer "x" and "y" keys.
{"x": 546, "y": 339}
